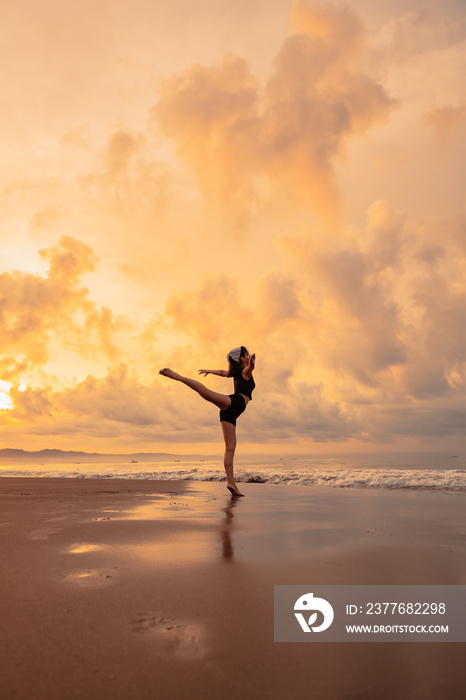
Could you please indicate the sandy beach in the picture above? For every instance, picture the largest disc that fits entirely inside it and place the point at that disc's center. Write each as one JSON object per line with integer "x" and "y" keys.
{"x": 126, "y": 589}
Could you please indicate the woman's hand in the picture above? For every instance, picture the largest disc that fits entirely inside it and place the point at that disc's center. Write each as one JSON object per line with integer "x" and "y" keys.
{"x": 251, "y": 361}
{"x": 249, "y": 366}
{"x": 204, "y": 372}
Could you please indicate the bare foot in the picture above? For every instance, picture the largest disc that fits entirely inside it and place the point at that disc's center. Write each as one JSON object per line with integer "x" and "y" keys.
{"x": 167, "y": 372}
{"x": 233, "y": 489}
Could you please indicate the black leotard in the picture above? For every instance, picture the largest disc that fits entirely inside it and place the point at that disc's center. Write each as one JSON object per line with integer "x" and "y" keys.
{"x": 244, "y": 386}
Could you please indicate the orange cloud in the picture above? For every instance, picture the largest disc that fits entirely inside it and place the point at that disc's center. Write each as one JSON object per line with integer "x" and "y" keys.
{"x": 116, "y": 406}
{"x": 120, "y": 407}
{"x": 37, "y": 312}
{"x": 235, "y": 133}
{"x": 46, "y": 218}
{"x": 126, "y": 179}
{"x": 447, "y": 122}
{"x": 390, "y": 304}
{"x": 212, "y": 312}
{"x": 357, "y": 339}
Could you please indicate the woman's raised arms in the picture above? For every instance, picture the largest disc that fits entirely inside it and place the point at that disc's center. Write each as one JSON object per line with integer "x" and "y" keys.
{"x": 249, "y": 366}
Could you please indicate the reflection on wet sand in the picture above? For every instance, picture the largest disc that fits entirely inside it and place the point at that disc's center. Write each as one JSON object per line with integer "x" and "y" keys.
{"x": 227, "y": 526}
{"x": 199, "y": 544}
{"x": 170, "y": 543}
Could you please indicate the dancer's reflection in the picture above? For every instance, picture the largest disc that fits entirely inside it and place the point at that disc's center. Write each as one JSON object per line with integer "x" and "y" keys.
{"x": 227, "y": 545}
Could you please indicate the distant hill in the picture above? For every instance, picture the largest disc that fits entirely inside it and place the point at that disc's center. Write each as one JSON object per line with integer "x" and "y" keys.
{"x": 10, "y": 455}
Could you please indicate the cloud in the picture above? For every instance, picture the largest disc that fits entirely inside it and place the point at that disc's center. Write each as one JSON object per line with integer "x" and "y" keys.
{"x": 30, "y": 404}
{"x": 379, "y": 309}
{"x": 38, "y": 312}
{"x": 389, "y": 304}
{"x": 120, "y": 149}
{"x": 301, "y": 412}
{"x": 358, "y": 338}
{"x": 278, "y": 300}
{"x": 423, "y": 29}
{"x": 210, "y": 315}
{"x": 447, "y": 122}
{"x": 210, "y": 113}
{"x": 46, "y": 218}
{"x": 126, "y": 179}
{"x": 118, "y": 406}
{"x": 69, "y": 260}
{"x": 236, "y": 134}
{"x": 121, "y": 408}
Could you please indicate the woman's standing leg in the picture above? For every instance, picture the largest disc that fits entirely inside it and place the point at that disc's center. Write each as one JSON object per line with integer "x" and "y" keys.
{"x": 229, "y": 435}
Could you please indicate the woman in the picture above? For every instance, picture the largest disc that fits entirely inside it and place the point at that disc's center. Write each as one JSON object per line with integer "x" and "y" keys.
{"x": 240, "y": 366}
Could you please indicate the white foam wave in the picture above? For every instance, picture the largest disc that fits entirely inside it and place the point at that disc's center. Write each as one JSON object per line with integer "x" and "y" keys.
{"x": 437, "y": 480}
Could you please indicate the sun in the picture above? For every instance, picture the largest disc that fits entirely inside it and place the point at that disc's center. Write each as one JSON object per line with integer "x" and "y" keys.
{"x": 5, "y": 399}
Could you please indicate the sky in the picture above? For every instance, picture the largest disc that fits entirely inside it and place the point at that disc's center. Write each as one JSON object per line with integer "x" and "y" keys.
{"x": 178, "y": 179}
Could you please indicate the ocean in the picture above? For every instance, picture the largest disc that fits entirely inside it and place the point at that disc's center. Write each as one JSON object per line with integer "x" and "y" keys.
{"x": 421, "y": 470}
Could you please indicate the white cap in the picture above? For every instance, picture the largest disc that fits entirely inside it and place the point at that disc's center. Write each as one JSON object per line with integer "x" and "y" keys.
{"x": 234, "y": 354}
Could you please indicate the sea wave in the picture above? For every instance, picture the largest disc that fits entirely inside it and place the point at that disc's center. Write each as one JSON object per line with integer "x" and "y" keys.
{"x": 429, "y": 479}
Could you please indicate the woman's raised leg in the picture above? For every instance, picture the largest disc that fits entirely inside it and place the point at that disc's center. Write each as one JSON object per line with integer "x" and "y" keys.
{"x": 222, "y": 401}
{"x": 229, "y": 435}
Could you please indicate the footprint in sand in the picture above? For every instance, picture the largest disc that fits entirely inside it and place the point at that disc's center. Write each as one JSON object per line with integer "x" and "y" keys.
{"x": 44, "y": 533}
{"x": 172, "y": 638}
{"x": 93, "y": 578}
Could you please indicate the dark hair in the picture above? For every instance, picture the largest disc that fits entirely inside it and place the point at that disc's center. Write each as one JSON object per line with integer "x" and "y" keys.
{"x": 235, "y": 367}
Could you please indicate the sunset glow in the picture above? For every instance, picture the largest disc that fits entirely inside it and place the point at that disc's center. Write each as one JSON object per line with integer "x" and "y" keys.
{"x": 285, "y": 175}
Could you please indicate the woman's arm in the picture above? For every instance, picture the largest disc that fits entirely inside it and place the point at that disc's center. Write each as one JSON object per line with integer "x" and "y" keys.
{"x": 219, "y": 372}
{"x": 248, "y": 368}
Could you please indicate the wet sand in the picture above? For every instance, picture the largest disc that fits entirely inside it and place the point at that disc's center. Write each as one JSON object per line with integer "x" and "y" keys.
{"x": 142, "y": 589}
